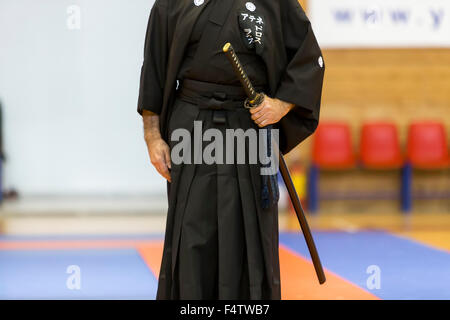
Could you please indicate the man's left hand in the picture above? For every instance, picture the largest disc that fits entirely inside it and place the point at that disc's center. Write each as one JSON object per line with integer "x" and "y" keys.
{"x": 270, "y": 111}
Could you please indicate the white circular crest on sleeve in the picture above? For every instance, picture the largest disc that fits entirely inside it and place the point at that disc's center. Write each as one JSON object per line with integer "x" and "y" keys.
{"x": 199, "y": 2}
{"x": 320, "y": 61}
{"x": 250, "y": 6}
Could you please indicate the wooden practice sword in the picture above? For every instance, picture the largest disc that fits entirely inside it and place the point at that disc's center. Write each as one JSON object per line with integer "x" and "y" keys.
{"x": 254, "y": 100}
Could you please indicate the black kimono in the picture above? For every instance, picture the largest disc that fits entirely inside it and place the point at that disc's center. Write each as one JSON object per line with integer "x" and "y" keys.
{"x": 220, "y": 242}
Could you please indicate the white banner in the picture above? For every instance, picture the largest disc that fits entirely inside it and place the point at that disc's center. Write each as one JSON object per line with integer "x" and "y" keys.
{"x": 381, "y": 23}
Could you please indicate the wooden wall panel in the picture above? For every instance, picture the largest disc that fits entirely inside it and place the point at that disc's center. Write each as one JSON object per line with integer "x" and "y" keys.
{"x": 400, "y": 85}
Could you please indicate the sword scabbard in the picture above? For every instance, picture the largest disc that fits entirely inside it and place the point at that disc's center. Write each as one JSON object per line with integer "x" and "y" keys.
{"x": 255, "y": 99}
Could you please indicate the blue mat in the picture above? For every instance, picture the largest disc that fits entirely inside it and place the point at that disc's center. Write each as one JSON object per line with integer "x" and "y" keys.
{"x": 145, "y": 236}
{"x": 409, "y": 270}
{"x": 105, "y": 274}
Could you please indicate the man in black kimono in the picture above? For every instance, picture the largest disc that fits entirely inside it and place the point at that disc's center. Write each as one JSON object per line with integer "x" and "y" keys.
{"x": 221, "y": 239}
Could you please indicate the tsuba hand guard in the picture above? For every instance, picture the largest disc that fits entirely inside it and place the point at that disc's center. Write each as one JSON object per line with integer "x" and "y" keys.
{"x": 258, "y": 100}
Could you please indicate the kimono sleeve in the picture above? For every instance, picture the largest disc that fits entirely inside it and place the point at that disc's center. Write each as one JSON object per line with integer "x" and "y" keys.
{"x": 153, "y": 71}
{"x": 301, "y": 82}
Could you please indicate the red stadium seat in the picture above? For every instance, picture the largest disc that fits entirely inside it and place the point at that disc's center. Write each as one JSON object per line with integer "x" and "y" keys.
{"x": 427, "y": 145}
{"x": 332, "y": 149}
{"x": 332, "y": 146}
{"x": 380, "y": 147}
{"x": 427, "y": 149}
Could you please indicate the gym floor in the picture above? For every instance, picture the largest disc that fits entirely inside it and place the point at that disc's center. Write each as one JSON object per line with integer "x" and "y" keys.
{"x": 410, "y": 257}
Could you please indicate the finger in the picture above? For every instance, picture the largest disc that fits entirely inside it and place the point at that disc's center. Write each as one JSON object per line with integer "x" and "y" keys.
{"x": 267, "y": 120}
{"x": 258, "y": 115}
{"x": 163, "y": 170}
{"x": 261, "y": 121}
{"x": 167, "y": 159}
{"x": 263, "y": 110}
{"x": 167, "y": 175}
{"x": 258, "y": 108}
{"x": 160, "y": 166}
{"x": 263, "y": 104}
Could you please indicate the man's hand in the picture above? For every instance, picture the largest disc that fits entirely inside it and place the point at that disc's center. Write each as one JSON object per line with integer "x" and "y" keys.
{"x": 160, "y": 157}
{"x": 158, "y": 149}
{"x": 270, "y": 111}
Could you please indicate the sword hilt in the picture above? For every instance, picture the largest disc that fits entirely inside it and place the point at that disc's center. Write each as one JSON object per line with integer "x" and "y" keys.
{"x": 254, "y": 98}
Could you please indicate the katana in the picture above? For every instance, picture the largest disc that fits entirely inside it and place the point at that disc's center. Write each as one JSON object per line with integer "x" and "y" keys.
{"x": 254, "y": 100}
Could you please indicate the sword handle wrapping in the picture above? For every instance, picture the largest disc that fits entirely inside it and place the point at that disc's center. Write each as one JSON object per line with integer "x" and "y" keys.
{"x": 254, "y": 98}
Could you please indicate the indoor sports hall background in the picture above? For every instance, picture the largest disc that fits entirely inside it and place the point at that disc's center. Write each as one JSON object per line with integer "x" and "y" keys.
{"x": 83, "y": 211}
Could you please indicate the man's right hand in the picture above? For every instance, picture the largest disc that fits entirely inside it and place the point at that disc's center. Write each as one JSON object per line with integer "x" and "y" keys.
{"x": 160, "y": 157}
{"x": 158, "y": 149}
